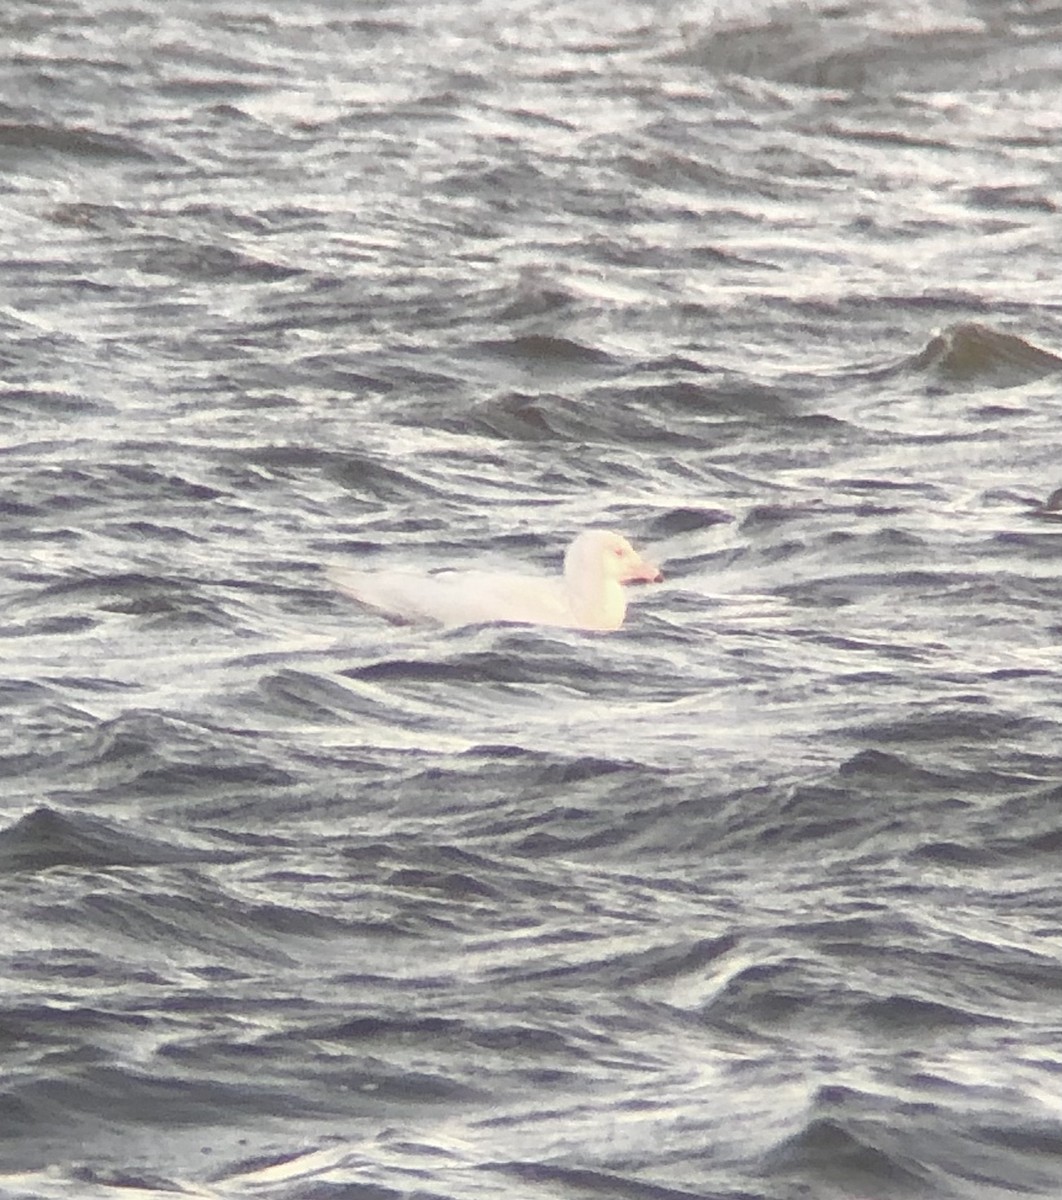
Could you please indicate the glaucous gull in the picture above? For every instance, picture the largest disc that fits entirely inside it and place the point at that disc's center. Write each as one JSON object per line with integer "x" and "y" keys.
{"x": 589, "y": 595}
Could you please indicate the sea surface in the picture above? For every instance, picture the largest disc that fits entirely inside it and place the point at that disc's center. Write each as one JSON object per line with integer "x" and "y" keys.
{"x": 755, "y": 899}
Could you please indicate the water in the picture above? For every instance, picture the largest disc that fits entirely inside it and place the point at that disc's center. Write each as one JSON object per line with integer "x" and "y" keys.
{"x": 756, "y": 898}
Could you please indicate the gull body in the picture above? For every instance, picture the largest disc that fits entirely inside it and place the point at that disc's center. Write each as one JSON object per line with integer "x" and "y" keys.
{"x": 589, "y": 595}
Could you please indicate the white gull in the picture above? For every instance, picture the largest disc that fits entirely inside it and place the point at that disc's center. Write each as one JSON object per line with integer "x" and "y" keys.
{"x": 589, "y": 595}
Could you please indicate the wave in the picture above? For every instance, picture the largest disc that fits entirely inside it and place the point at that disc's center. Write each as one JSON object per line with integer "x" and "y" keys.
{"x": 679, "y": 413}
{"x": 78, "y": 143}
{"x": 868, "y": 49}
{"x": 860, "y": 1156}
{"x": 971, "y": 353}
{"x": 46, "y": 838}
{"x": 182, "y": 259}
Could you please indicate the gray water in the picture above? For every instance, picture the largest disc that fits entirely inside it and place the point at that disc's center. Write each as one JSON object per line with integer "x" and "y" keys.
{"x": 755, "y": 898}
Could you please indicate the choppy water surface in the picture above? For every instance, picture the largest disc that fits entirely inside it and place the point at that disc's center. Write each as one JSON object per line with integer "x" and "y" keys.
{"x": 756, "y": 898}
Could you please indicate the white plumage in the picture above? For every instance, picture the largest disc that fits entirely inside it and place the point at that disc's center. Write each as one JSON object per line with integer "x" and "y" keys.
{"x": 589, "y": 595}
